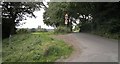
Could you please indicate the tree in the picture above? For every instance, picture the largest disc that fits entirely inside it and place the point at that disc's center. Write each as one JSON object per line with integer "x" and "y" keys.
{"x": 54, "y": 15}
{"x": 105, "y": 15}
{"x": 13, "y": 12}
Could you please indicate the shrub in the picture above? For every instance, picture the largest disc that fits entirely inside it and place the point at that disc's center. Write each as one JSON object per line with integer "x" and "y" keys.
{"x": 52, "y": 50}
{"x": 21, "y": 31}
{"x": 62, "y": 29}
{"x": 33, "y": 30}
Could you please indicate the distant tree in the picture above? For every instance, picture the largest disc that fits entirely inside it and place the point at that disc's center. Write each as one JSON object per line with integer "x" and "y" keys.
{"x": 33, "y": 30}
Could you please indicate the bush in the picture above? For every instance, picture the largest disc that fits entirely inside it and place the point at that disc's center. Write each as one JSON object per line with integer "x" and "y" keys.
{"x": 62, "y": 29}
{"x": 22, "y": 31}
{"x": 52, "y": 50}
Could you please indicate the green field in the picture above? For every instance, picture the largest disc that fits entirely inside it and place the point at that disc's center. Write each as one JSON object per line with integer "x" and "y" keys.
{"x": 34, "y": 47}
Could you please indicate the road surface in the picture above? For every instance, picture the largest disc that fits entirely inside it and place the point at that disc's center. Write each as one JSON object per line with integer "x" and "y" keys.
{"x": 90, "y": 48}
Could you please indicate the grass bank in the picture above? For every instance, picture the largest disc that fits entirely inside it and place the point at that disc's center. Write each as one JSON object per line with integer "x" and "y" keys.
{"x": 107, "y": 35}
{"x": 35, "y": 47}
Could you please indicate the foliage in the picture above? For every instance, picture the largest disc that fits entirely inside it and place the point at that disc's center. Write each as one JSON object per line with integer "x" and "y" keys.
{"x": 54, "y": 15}
{"x": 105, "y": 15}
{"x": 62, "y": 29}
{"x": 76, "y": 29}
{"x": 22, "y": 31}
{"x": 106, "y": 19}
{"x": 42, "y": 30}
{"x": 33, "y": 30}
{"x": 13, "y": 12}
{"x": 35, "y": 47}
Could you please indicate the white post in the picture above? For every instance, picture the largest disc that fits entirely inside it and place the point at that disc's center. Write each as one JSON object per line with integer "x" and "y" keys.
{"x": 66, "y": 19}
{"x": 10, "y": 39}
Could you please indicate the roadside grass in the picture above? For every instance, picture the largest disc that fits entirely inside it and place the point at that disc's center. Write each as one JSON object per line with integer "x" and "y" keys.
{"x": 35, "y": 47}
{"x": 107, "y": 35}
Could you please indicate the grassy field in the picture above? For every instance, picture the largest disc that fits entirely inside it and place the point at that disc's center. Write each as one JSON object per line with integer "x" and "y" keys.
{"x": 34, "y": 47}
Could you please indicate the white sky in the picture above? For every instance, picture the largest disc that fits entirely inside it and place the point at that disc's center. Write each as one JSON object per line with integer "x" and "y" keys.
{"x": 35, "y": 22}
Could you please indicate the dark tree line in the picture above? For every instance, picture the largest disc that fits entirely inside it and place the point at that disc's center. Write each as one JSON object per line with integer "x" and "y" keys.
{"x": 105, "y": 15}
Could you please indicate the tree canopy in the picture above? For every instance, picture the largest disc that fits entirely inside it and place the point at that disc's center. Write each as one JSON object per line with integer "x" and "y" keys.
{"x": 13, "y": 12}
{"x": 54, "y": 15}
{"x": 105, "y": 15}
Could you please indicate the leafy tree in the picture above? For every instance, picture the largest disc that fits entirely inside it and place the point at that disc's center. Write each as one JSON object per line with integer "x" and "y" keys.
{"x": 54, "y": 15}
{"x": 102, "y": 17}
{"x": 13, "y": 12}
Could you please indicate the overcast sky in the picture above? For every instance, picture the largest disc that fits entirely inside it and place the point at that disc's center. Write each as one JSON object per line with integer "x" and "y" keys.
{"x": 35, "y": 22}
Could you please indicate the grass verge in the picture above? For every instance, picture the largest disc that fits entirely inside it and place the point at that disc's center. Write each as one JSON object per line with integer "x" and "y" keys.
{"x": 107, "y": 35}
{"x": 35, "y": 47}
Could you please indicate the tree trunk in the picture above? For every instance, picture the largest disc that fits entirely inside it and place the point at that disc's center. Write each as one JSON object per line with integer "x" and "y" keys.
{"x": 12, "y": 27}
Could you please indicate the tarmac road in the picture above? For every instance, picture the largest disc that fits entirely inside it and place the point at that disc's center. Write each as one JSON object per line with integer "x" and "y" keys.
{"x": 91, "y": 48}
